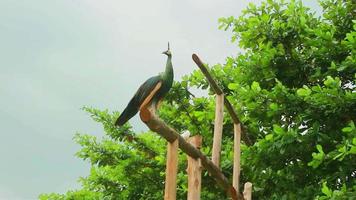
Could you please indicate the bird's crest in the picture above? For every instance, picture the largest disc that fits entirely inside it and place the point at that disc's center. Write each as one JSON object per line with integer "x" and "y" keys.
{"x": 168, "y": 52}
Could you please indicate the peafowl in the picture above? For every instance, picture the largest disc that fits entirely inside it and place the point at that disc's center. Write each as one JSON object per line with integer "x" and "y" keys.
{"x": 156, "y": 87}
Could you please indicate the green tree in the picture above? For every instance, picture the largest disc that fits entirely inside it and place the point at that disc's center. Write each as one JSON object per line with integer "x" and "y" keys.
{"x": 294, "y": 90}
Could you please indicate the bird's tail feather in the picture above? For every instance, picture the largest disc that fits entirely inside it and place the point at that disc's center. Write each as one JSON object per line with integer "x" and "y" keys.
{"x": 128, "y": 113}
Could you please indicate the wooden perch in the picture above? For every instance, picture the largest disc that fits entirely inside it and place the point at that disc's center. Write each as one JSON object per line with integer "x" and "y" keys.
{"x": 170, "y": 190}
{"x": 149, "y": 117}
{"x": 237, "y": 153}
{"x": 248, "y": 191}
{"x": 218, "y": 129}
{"x": 194, "y": 170}
{"x": 218, "y": 91}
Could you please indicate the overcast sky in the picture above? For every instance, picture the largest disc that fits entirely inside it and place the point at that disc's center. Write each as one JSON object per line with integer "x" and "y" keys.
{"x": 57, "y": 56}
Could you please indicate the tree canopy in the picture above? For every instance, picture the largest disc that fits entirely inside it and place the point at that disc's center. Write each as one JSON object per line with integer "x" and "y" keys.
{"x": 293, "y": 87}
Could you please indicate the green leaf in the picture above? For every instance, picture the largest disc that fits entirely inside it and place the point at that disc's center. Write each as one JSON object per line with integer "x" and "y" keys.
{"x": 347, "y": 129}
{"x": 303, "y": 92}
{"x": 233, "y": 86}
{"x": 342, "y": 149}
{"x": 319, "y": 148}
{"x": 332, "y": 65}
{"x": 331, "y": 82}
{"x": 302, "y": 20}
{"x": 277, "y": 129}
{"x": 255, "y": 86}
{"x": 353, "y": 149}
{"x": 326, "y": 190}
{"x": 269, "y": 137}
{"x": 317, "y": 157}
{"x": 273, "y": 106}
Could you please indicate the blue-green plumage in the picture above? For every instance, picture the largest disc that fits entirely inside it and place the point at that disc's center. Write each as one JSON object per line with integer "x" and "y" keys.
{"x": 165, "y": 78}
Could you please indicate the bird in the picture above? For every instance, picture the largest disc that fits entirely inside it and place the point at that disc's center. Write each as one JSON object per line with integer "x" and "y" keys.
{"x": 155, "y": 88}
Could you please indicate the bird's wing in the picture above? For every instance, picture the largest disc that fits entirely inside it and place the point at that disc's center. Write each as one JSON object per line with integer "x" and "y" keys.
{"x": 148, "y": 89}
{"x": 145, "y": 92}
{"x": 151, "y": 94}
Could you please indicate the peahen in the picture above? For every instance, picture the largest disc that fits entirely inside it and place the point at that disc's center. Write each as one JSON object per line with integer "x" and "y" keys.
{"x": 156, "y": 87}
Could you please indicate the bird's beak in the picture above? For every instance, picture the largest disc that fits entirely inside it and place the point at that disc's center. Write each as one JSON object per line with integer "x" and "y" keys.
{"x": 164, "y": 52}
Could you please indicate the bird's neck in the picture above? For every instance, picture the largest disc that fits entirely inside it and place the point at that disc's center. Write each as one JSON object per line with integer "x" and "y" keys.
{"x": 168, "y": 73}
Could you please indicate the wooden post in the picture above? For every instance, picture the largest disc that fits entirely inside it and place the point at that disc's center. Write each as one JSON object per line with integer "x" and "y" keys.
{"x": 237, "y": 153}
{"x": 194, "y": 171}
{"x": 218, "y": 127}
{"x": 170, "y": 190}
{"x": 248, "y": 191}
{"x": 218, "y": 91}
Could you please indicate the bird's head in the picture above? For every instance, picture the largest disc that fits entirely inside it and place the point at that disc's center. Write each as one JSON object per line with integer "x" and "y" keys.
{"x": 168, "y": 52}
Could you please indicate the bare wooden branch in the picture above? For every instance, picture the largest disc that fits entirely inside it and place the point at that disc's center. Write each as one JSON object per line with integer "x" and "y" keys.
{"x": 205, "y": 71}
{"x": 247, "y": 191}
{"x": 218, "y": 128}
{"x": 194, "y": 171}
{"x": 170, "y": 190}
{"x": 237, "y": 153}
{"x": 148, "y": 116}
{"x": 218, "y": 91}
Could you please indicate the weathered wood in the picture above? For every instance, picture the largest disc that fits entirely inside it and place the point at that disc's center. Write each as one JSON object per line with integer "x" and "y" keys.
{"x": 157, "y": 125}
{"x": 170, "y": 190}
{"x": 218, "y": 128}
{"x": 237, "y": 153}
{"x": 194, "y": 170}
{"x": 205, "y": 71}
{"x": 247, "y": 191}
{"x": 218, "y": 91}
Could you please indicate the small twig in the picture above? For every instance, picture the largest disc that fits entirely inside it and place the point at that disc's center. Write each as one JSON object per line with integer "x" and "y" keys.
{"x": 191, "y": 94}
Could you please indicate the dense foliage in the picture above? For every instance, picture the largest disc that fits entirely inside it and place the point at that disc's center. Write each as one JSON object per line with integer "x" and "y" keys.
{"x": 294, "y": 90}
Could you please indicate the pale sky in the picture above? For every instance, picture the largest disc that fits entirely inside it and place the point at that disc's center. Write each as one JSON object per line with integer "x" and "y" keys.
{"x": 60, "y": 55}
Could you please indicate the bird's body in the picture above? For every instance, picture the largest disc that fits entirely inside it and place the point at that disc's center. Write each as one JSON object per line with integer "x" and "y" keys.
{"x": 164, "y": 81}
